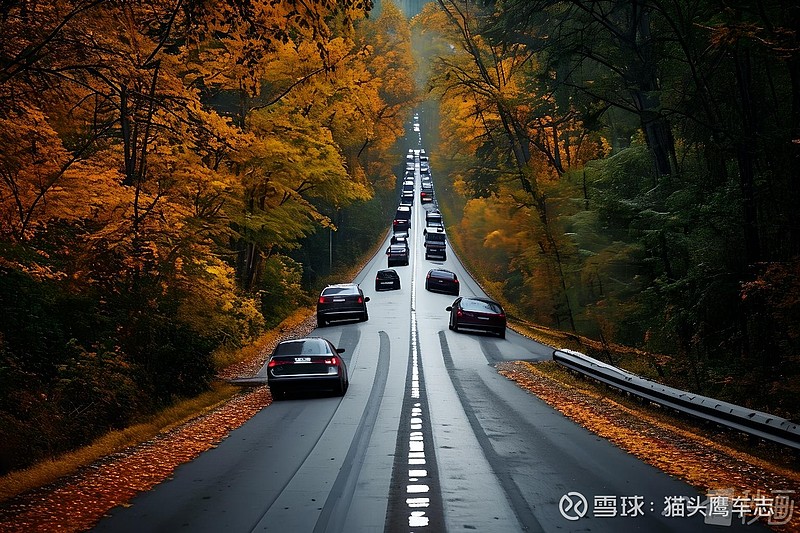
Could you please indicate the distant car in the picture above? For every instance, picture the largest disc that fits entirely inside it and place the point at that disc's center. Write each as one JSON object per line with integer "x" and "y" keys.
{"x": 399, "y": 238}
{"x": 387, "y": 280}
{"x": 433, "y": 226}
{"x": 397, "y": 255}
{"x": 341, "y": 302}
{"x": 480, "y": 314}
{"x": 434, "y": 215}
{"x": 308, "y": 363}
{"x": 441, "y": 280}
{"x": 426, "y": 192}
{"x": 435, "y": 245}
{"x": 402, "y": 218}
{"x": 407, "y": 198}
{"x": 408, "y": 186}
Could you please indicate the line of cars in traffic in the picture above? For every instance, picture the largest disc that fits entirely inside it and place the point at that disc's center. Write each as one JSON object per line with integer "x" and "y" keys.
{"x": 314, "y": 362}
{"x": 466, "y": 313}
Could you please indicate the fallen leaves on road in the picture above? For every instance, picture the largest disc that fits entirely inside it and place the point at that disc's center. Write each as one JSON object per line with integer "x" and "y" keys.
{"x": 79, "y": 501}
{"x": 695, "y": 459}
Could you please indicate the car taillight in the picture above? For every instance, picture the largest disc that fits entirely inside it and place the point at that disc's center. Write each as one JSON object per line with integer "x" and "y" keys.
{"x": 459, "y": 313}
{"x": 276, "y": 362}
{"x": 322, "y": 300}
{"x": 455, "y": 281}
{"x": 428, "y": 276}
{"x": 360, "y": 300}
{"x": 332, "y": 361}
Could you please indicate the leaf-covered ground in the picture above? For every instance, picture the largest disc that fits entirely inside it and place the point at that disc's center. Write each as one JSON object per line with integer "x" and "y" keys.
{"x": 654, "y": 438}
{"x": 79, "y": 501}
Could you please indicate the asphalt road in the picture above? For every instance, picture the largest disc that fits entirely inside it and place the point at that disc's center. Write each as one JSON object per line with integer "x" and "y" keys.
{"x": 428, "y": 438}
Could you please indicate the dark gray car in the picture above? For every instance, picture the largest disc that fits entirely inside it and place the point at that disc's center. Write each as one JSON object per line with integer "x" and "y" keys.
{"x": 341, "y": 302}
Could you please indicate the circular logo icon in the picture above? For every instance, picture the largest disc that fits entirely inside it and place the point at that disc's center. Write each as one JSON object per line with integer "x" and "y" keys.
{"x": 573, "y": 506}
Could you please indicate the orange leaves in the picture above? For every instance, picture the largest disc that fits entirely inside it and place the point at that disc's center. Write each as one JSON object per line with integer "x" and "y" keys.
{"x": 32, "y": 159}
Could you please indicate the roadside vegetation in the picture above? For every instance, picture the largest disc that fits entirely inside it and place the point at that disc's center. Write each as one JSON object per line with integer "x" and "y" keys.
{"x": 175, "y": 180}
{"x": 628, "y": 171}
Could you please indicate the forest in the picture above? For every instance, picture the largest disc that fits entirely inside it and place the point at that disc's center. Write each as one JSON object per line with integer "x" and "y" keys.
{"x": 172, "y": 175}
{"x": 176, "y": 176}
{"x": 630, "y": 172}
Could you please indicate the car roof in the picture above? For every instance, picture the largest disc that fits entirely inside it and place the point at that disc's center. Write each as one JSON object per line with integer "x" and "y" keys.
{"x": 403, "y": 208}
{"x": 441, "y": 272}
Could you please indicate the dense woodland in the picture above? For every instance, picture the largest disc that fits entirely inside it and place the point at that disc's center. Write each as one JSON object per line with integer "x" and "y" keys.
{"x": 162, "y": 163}
{"x": 177, "y": 175}
{"x": 631, "y": 172}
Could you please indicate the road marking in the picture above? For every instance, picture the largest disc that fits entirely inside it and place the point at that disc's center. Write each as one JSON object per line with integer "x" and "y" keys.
{"x": 415, "y": 501}
{"x": 416, "y": 438}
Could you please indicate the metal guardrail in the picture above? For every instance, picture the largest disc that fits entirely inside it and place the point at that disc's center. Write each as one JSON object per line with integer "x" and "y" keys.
{"x": 756, "y": 423}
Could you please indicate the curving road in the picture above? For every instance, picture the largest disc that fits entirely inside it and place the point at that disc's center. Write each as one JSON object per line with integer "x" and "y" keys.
{"x": 428, "y": 438}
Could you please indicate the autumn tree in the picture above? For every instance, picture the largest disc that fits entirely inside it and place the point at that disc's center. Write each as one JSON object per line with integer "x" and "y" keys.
{"x": 123, "y": 183}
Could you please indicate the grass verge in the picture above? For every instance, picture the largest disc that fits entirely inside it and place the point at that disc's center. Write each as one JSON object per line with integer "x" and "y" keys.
{"x": 46, "y": 472}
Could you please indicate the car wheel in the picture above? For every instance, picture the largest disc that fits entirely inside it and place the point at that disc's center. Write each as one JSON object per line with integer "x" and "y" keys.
{"x": 365, "y": 317}
{"x": 341, "y": 388}
{"x": 455, "y": 326}
{"x": 502, "y": 334}
{"x": 278, "y": 394}
{"x": 321, "y": 322}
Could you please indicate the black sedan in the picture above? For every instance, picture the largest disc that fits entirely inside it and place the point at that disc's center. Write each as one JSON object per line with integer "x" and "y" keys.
{"x": 387, "y": 280}
{"x": 480, "y": 314}
{"x": 397, "y": 254}
{"x": 341, "y": 301}
{"x": 311, "y": 363}
{"x": 441, "y": 280}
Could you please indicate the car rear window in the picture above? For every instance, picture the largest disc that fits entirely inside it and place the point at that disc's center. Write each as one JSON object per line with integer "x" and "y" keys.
{"x": 443, "y": 274}
{"x": 303, "y": 347}
{"x": 387, "y": 274}
{"x": 480, "y": 306}
{"x": 332, "y": 291}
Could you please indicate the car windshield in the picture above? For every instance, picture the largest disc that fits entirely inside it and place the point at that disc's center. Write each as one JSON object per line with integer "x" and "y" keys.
{"x": 303, "y": 347}
{"x": 480, "y": 306}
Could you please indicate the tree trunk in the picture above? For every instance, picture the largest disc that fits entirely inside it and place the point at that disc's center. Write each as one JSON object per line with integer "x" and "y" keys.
{"x": 745, "y": 158}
